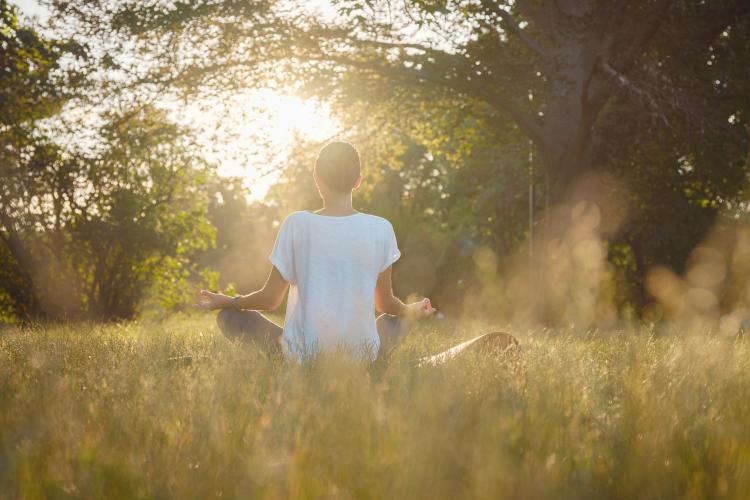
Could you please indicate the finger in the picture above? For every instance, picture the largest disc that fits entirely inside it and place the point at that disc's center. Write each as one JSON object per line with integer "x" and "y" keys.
{"x": 427, "y": 311}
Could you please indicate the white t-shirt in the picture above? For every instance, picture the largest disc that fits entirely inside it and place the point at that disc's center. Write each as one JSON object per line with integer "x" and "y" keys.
{"x": 332, "y": 265}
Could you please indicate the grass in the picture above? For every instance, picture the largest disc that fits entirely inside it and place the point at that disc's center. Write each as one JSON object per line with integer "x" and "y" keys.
{"x": 176, "y": 411}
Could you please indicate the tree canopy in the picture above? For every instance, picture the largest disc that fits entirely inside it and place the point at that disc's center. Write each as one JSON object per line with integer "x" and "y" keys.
{"x": 470, "y": 113}
{"x": 87, "y": 228}
{"x": 551, "y": 68}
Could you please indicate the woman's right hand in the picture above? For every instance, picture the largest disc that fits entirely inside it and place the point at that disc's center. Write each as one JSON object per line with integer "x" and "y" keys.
{"x": 215, "y": 301}
{"x": 420, "y": 310}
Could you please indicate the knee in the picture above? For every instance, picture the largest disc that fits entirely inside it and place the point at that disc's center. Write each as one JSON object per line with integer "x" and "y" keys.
{"x": 403, "y": 328}
{"x": 399, "y": 324}
{"x": 223, "y": 317}
{"x": 225, "y": 314}
{"x": 390, "y": 319}
{"x": 253, "y": 314}
{"x": 228, "y": 320}
{"x": 385, "y": 318}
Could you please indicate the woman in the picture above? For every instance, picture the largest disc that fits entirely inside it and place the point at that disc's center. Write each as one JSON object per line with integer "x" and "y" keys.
{"x": 338, "y": 263}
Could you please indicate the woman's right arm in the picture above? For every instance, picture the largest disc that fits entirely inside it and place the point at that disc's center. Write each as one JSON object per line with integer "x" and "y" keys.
{"x": 267, "y": 299}
{"x": 387, "y": 303}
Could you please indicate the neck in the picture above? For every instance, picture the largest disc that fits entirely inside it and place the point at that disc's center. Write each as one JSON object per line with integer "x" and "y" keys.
{"x": 337, "y": 205}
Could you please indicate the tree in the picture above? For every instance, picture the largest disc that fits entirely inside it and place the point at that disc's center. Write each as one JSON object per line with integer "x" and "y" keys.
{"x": 550, "y": 67}
{"x": 143, "y": 218}
{"x": 33, "y": 88}
{"x": 686, "y": 166}
{"x": 95, "y": 226}
{"x": 103, "y": 229}
{"x": 628, "y": 87}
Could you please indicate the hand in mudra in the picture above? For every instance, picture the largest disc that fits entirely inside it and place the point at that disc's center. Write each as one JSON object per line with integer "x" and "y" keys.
{"x": 212, "y": 301}
{"x": 420, "y": 310}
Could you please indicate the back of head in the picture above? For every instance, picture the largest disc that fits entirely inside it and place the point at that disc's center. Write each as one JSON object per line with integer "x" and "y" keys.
{"x": 337, "y": 165}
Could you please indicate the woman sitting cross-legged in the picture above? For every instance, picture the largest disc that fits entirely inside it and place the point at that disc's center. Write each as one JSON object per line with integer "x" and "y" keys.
{"x": 338, "y": 263}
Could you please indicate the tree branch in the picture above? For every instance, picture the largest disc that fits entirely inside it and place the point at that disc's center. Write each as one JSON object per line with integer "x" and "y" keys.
{"x": 527, "y": 125}
{"x": 532, "y": 13}
{"x": 643, "y": 31}
{"x": 570, "y": 8}
{"x": 624, "y": 82}
{"x": 610, "y": 14}
{"x": 392, "y": 45}
{"x": 729, "y": 97}
{"x": 489, "y": 95}
{"x": 515, "y": 28}
{"x": 724, "y": 19}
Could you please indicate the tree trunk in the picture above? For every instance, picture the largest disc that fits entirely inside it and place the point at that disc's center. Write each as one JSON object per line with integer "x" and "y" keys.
{"x": 565, "y": 161}
{"x": 575, "y": 94}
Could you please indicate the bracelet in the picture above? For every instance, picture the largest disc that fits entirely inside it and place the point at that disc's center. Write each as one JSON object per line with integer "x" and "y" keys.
{"x": 234, "y": 303}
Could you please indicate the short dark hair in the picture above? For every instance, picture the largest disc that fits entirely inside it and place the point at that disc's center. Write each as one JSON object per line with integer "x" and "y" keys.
{"x": 338, "y": 166}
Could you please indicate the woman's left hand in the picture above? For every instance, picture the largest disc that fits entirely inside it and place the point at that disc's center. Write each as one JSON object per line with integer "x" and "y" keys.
{"x": 421, "y": 310}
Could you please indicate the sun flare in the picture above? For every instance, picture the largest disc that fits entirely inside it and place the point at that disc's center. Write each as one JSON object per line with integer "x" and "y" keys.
{"x": 282, "y": 118}
{"x": 269, "y": 121}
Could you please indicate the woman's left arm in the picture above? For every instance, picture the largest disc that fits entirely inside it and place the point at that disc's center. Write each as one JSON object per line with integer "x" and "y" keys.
{"x": 387, "y": 303}
{"x": 266, "y": 299}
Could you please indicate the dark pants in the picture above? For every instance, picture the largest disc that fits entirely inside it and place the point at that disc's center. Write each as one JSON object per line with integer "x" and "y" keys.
{"x": 249, "y": 327}
{"x": 253, "y": 327}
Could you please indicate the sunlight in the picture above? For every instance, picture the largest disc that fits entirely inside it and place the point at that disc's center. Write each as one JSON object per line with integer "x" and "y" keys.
{"x": 259, "y": 131}
{"x": 283, "y": 117}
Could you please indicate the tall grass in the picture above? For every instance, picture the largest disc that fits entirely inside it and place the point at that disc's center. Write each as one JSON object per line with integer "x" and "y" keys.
{"x": 176, "y": 411}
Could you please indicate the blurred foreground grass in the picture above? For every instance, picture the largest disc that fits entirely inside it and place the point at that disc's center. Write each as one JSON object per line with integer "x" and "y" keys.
{"x": 176, "y": 411}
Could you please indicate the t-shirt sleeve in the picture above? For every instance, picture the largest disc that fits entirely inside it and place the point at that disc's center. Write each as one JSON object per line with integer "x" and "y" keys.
{"x": 390, "y": 248}
{"x": 283, "y": 252}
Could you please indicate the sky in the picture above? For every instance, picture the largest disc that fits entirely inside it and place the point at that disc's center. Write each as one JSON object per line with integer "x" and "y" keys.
{"x": 283, "y": 118}
{"x": 31, "y": 7}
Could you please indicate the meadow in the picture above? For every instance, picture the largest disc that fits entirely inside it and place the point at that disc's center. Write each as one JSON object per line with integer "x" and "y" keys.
{"x": 174, "y": 410}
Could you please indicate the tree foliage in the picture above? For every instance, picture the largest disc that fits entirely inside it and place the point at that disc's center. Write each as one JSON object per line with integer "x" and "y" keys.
{"x": 90, "y": 228}
{"x": 654, "y": 92}
{"x": 638, "y": 106}
{"x": 551, "y": 68}
{"x": 32, "y": 89}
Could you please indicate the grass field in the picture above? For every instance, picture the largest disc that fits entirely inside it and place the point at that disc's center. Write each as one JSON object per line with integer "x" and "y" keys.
{"x": 176, "y": 411}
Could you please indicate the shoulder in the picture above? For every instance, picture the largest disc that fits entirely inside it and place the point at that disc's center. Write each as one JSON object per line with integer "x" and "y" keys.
{"x": 295, "y": 217}
{"x": 298, "y": 215}
{"x": 379, "y": 222}
{"x": 292, "y": 224}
